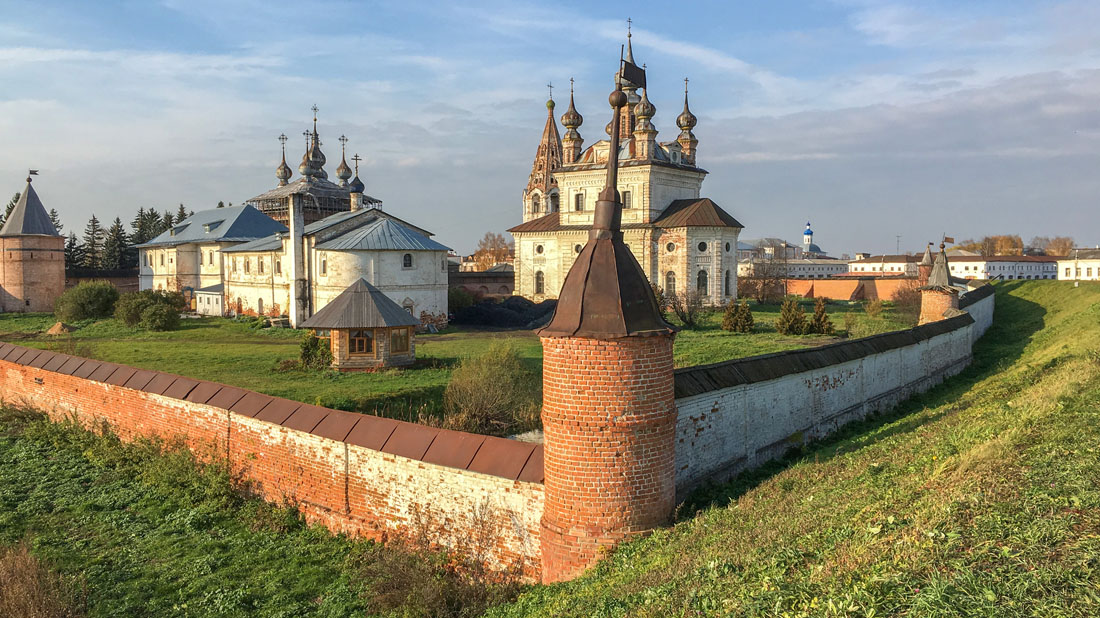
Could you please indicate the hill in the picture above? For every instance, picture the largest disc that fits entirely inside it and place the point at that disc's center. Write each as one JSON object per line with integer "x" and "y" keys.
{"x": 979, "y": 498}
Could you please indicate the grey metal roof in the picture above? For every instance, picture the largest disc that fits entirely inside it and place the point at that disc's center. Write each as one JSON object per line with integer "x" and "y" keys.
{"x": 28, "y": 217}
{"x": 211, "y": 289}
{"x": 267, "y": 243}
{"x": 382, "y": 234}
{"x": 232, "y": 224}
{"x": 361, "y": 305}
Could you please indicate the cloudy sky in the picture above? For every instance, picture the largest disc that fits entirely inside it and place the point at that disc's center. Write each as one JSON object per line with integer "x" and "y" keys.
{"x": 872, "y": 119}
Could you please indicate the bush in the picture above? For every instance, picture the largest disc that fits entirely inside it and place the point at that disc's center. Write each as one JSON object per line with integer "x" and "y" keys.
{"x": 494, "y": 393}
{"x": 86, "y": 300}
{"x": 850, "y": 320}
{"x": 315, "y": 352}
{"x": 820, "y": 324}
{"x": 907, "y": 301}
{"x": 662, "y": 300}
{"x": 132, "y": 305}
{"x": 160, "y": 317}
{"x": 687, "y": 306}
{"x": 792, "y": 319}
{"x": 874, "y": 308}
{"x": 738, "y": 317}
{"x": 458, "y": 299}
{"x": 28, "y": 588}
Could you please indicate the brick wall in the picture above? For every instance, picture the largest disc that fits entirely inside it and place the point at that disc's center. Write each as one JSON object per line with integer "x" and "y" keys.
{"x": 361, "y": 474}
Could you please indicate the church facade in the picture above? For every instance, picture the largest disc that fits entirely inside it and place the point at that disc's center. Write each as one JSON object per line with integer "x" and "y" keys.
{"x": 684, "y": 242}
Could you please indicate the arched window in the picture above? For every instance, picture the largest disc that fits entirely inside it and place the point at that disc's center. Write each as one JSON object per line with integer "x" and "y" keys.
{"x": 260, "y": 306}
{"x": 540, "y": 283}
{"x": 409, "y": 306}
{"x": 670, "y": 283}
{"x": 535, "y": 203}
{"x": 701, "y": 284}
{"x": 407, "y": 260}
{"x": 554, "y": 202}
{"x": 726, "y": 284}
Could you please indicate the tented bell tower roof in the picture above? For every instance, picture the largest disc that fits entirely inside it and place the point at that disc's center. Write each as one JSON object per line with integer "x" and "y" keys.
{"x": 29, "y": 216}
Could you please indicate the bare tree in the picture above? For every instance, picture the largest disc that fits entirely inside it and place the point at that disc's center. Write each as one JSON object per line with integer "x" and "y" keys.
{"x": 687, "y": 306}
{"x": 492, "y": 249}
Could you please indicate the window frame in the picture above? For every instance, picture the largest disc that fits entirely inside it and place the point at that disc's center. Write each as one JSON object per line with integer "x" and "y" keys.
{"x": 356, "y": 347}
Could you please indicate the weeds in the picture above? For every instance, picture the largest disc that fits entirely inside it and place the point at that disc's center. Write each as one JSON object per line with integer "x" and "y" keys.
{"x": 28, "y": 589}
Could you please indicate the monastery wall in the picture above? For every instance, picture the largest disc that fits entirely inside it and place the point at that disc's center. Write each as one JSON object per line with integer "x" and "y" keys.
{"x": 364, "y": 475}
{"x": 739, "y": 414}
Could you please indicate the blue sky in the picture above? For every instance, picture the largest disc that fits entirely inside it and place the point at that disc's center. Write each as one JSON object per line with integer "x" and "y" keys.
{"x": 870, "y": 118}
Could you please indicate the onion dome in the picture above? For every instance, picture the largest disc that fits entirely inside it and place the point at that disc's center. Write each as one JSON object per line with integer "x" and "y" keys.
{"x": 644, "y": 109}
{"x": 343, "y": 172}
{"x": 607, "y": 129}
{"x": 550, "y": 104}
{"x": 283, "y": 172}
{"x": 571, "y": 118}
{"x": 686, "y": 120}
{"x": 356, "y": 185}
{"x": 305, "y": 168}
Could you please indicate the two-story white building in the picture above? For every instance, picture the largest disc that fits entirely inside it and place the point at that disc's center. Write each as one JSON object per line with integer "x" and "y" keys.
{"x": 1005, "y": 267}
{"x": 896, "y": 265}
{"x": 1080, "y": 265}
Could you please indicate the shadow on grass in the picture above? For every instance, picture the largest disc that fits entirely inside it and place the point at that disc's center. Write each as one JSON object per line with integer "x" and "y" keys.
{"x": 1015, "y": 322}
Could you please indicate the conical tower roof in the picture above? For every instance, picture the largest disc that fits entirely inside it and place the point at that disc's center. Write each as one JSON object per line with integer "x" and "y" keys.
{"x": 29, "y": 216}
{"x": 548, "y": 157}
{"x": 940, "y": 279}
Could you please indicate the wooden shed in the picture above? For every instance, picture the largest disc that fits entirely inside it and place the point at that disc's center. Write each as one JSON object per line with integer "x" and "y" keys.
{"x": 366, "y": 329}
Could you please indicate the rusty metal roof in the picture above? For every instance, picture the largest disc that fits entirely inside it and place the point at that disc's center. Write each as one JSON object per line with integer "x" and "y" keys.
{"x": 702, "y": 212}
{"x": 361, "y": 305}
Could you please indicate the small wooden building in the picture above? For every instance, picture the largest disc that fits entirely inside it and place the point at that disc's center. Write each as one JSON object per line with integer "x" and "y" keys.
{"x": 366, "y": 329}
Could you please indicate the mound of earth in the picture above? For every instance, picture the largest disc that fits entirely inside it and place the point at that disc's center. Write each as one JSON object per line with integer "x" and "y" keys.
{"x": 60, "y": 329}
{"x": 512, "y": 312}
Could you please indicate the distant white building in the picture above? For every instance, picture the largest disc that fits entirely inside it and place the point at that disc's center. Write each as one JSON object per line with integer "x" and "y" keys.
{"x": 1006, "y": 267}
{"x": 1080, "y": 265}
{"x": 804, "y": 268}
{"x": 897, "y": 265}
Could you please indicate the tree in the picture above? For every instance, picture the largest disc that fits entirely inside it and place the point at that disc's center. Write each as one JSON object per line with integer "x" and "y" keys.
{"x": 221, "y": 204}
{"x": 687, "y": 306}
{"x": 10, "y": 207}
{"x": 738, "y": 317}
{"x": 492, "y": 249}
{"x": 93, "y": 244}
{"x": 56, "y": 220}
{"x": 1060, "y": 245}
{"x": 820, "y": 323}
{"x": 181, "y": 215}
{"x": 115, "y": 246}
{"x": 74, "y": 252}
{"x": 792, "y": 319}
{"x": 167, "y": 222}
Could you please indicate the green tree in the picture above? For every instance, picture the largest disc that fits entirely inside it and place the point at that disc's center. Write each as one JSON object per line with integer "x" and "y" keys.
{"x": 56, "y": 220}
{"x": 93, "y": 244}
{"x": 9, "y": 208}
{"x": 167, "y": 222}
{"x": 221, "y": 204}
{"x": 821, "y": 323}
{"x": 729, "y": 318}
{"x": 74, "y": 252}
{"x": 115, "y": 246}
{"x": 792, "y": 319}
{"x": 181, "y": 215}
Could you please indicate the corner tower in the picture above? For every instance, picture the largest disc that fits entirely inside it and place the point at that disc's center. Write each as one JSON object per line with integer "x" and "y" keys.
{"x": 32, "y": 257}
{"x": 608, "y": 410}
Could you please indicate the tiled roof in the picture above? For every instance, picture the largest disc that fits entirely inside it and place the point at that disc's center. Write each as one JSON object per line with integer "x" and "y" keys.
{"x": 702, "y": 212}
{"x": 29, "y": 216}
{"x": 232, "y": 224}
{"x": 361, "y": 305}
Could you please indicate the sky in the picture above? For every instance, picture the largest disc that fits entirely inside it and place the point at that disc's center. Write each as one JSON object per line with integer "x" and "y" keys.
{"x": 871, "y": 119}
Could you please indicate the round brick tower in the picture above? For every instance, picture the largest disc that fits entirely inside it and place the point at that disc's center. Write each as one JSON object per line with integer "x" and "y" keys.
{"x": 937, "y": 296}
{"x": 608, "y": 413}
{"x": 32, "y": 257}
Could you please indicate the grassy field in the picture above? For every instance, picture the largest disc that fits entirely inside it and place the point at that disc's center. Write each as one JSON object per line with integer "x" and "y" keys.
{"x": 222, "y": 350}
{"x": 980, "y": 498}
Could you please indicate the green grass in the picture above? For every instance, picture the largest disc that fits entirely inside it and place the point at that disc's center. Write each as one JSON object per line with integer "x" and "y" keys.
{"x": 151, "y": 533}
{"x": 230, "y": 352}
{"x": 979, "y": 498}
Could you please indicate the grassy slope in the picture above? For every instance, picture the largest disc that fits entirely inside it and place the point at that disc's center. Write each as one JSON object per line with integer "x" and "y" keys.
{"x": 224, "y": 351}
{"x": 981, "y": 498}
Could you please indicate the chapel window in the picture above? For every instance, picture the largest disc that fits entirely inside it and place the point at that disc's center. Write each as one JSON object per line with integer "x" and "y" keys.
{"x": 626, "y": 199}
{"x": 578, "y": 202}
{"x": 247, "y": 265}
{"x": 278, "y": 267}
{"x": 324, "y": 266}
{"x": 539, "y": 249}
{"x": 726, "y": 284}
{"x": 260, "y": 264}
{"x": 540, "y": 282}
{"x": 360, "y": 342}
{"x": 702, "y": 246}
{"x": 553, "y": 202}
{"x": 670, "y": 283}
{"x": 407, "y": 260}
{"x": 701, "y": 283}
{"x": 535, "y": 205}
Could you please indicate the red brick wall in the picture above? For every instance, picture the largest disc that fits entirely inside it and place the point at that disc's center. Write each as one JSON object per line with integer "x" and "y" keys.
{"x": 850, "y": 289}
{"x": 32, "y": 268}
{"x": 609, "y": 419}
{"x": 934, "y": 303}
{"x": 355, "y": 473}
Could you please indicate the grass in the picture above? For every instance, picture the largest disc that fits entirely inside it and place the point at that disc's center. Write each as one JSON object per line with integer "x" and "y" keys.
{"x": 230, "y": 352}
{"x": 979, "y": 498}
{"x": 146, "y": 531}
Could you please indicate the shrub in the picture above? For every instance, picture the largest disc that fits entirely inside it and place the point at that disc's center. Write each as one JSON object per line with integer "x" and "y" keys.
{"x": 873, "y": 308}
{"x": 458, "y": 299}
{"x": 315, "y": 352}
{"x": 849, "y": 323}
{"x": 28, "y": 588}
{"x": 907, "y": 301}
{"x": 792, "y": 319}
{"x": 132, "y": 305}
{"x": 86, "y": 300}
{"x": 662, "y": 300}
{"x": 494, "y": 393}
{"x": 820, "y": 324}
{"x": 160, "y": 317}
{"x": 729, "y": 317}
{"x": 687, "y": 306}
{"x": 738, "y": 317}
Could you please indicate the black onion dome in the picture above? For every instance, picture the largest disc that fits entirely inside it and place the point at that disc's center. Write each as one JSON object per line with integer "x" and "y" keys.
{"x": 356, "y": 185}
{"x": 343, "y": 172}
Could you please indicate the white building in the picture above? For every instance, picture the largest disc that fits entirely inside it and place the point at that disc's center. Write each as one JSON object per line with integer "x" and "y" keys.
{"x": 1080, "y": 265}
{"x": 188, "y": 256}
{"x": 682, "y": 241}
{"x": 1005, "y": 267}
{"x": 898, "y": 265}
{"x": 803, "y": 268}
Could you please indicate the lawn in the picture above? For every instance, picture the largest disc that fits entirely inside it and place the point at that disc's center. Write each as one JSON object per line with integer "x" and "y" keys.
{"x": 231, "y": 352}
{"x": 978, "y": 498}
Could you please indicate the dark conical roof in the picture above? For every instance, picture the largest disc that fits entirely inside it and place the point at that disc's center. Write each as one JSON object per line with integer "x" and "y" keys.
{"x": 361, "y": 305}
{"x": 927, "y": 259}
{"x": 940, "y": 278}
{"x": 29, "y": 216}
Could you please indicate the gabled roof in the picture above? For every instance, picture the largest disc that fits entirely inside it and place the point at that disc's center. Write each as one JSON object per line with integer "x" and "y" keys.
{"x": 1082, "y": 254}
{"x": 382, "y": 234}
{"x": 702, "y": 212}
{"x": 232, "y": 224}
{"x": 28, "y": 217}
{"x": 545, "y": 223}
{"x": 361, "y": 305}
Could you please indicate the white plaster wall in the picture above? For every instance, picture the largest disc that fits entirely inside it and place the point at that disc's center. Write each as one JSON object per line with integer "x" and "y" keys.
{"x": 722, "y": 432}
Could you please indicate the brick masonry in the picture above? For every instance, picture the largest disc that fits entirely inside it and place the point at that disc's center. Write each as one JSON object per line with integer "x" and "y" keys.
{"x": 364, "y": 475}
